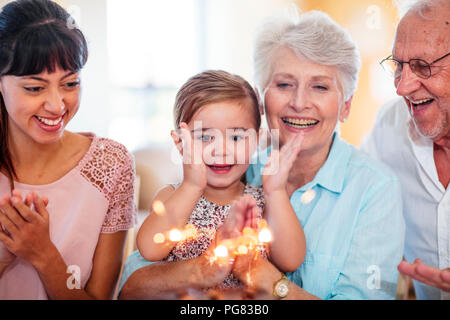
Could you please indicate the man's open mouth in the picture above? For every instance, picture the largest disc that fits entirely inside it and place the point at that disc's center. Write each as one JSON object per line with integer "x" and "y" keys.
{"x": 422, "y": 102}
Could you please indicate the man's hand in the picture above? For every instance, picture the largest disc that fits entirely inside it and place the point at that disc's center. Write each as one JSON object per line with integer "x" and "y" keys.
{"x": 257, "y": 273}
{"x": 426, "y": 274}
{"x": 208, "y": 270}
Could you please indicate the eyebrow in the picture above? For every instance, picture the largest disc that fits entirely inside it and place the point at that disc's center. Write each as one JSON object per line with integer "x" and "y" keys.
{"x": 322, "y": 78}
{"x": 318, "y": 77}
{"x": 283, "y": 74}
{"x": 44, "y": 80}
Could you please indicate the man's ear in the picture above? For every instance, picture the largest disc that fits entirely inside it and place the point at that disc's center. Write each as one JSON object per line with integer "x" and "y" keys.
{"x": 345, "y": 112}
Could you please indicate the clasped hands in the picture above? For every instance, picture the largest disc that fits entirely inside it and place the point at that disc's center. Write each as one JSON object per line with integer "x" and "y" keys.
{"x": 24, "y": 227}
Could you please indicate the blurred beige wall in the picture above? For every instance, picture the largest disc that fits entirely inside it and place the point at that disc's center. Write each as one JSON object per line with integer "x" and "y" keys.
{"x": 371, "y": 23}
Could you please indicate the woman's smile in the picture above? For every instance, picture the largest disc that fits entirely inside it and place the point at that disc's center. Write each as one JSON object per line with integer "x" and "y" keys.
{"x": 297, "y": 124}
{"x": 50, "y": 123}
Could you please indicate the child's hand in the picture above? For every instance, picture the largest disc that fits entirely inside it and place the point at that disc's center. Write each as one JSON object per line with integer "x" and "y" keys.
{"x": 283, "y": 160}
{"x": 194, "y": 168}
{"x": 253, "y": 216}
{"x": 243, "y": 213}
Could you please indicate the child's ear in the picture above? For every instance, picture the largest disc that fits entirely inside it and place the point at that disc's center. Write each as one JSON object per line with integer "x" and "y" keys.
{"x": 177, "y": 141}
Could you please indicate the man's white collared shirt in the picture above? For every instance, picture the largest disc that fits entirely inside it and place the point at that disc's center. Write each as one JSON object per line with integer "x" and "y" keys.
{"x": 426, "y": 203}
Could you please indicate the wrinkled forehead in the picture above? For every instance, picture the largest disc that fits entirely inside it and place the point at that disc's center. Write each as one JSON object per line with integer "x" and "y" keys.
{"x": 423, "y": 37}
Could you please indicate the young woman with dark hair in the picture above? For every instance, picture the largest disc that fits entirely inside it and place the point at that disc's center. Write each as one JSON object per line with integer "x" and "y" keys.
{"x": 66, "y": 199}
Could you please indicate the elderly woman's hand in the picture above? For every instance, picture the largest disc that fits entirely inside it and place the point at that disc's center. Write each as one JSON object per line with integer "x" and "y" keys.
{"x": 276, "y": 171}
{"x": 27, "y": 229}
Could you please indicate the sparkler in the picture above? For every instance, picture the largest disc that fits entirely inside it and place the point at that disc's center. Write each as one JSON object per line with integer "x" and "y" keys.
{"x": 242, "y": 249}
{"x": 251, "y": 239}
{"x": 175, "y": 235}
{"x": 158, "y": 208}
{"x": 159, "y": 238}
{"x": 221, "y": 251}
{"x": 265, "y": 236}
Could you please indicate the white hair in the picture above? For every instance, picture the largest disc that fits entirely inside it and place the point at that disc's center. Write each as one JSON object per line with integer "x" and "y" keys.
{"x": 313, "y": 35}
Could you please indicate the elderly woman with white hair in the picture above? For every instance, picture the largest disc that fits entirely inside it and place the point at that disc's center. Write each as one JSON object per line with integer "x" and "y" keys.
{"x": 306, "y": 71}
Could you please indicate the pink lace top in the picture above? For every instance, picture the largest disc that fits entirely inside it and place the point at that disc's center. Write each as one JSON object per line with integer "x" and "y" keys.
{"x": 97, "y": 196}
{"x": 207, "y": 217}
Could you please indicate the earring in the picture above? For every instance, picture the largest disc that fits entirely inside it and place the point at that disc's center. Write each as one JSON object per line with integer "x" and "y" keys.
{"x": 345, "y": 120}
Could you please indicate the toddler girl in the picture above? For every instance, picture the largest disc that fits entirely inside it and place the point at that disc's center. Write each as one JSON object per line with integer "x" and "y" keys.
{"x": 217, "y": 116}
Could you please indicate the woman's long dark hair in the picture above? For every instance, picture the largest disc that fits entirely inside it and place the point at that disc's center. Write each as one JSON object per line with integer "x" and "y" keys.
{"x": 35, "y": 36}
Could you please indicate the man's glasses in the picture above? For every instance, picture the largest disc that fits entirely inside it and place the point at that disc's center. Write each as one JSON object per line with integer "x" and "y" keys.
{"x": 420, "y": 67}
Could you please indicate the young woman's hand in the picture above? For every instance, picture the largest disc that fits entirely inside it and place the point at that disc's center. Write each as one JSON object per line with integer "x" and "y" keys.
{"x": 276, "y": 171}
{"x": 194, "y": 168}
{"x": 26, "y": 224}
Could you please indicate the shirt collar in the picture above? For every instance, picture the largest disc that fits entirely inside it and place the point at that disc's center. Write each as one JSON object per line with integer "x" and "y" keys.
{"x": 331, "y": 175}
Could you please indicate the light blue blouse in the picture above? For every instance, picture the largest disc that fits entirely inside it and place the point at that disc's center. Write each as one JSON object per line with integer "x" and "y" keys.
{"x": 353, "y": 225}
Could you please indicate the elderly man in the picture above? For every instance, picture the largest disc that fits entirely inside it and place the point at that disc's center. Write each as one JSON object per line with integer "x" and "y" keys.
{"x": 412, "y": 136}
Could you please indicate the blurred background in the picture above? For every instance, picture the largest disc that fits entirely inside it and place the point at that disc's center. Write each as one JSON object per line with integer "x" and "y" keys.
{"x": 142, "y": 51}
